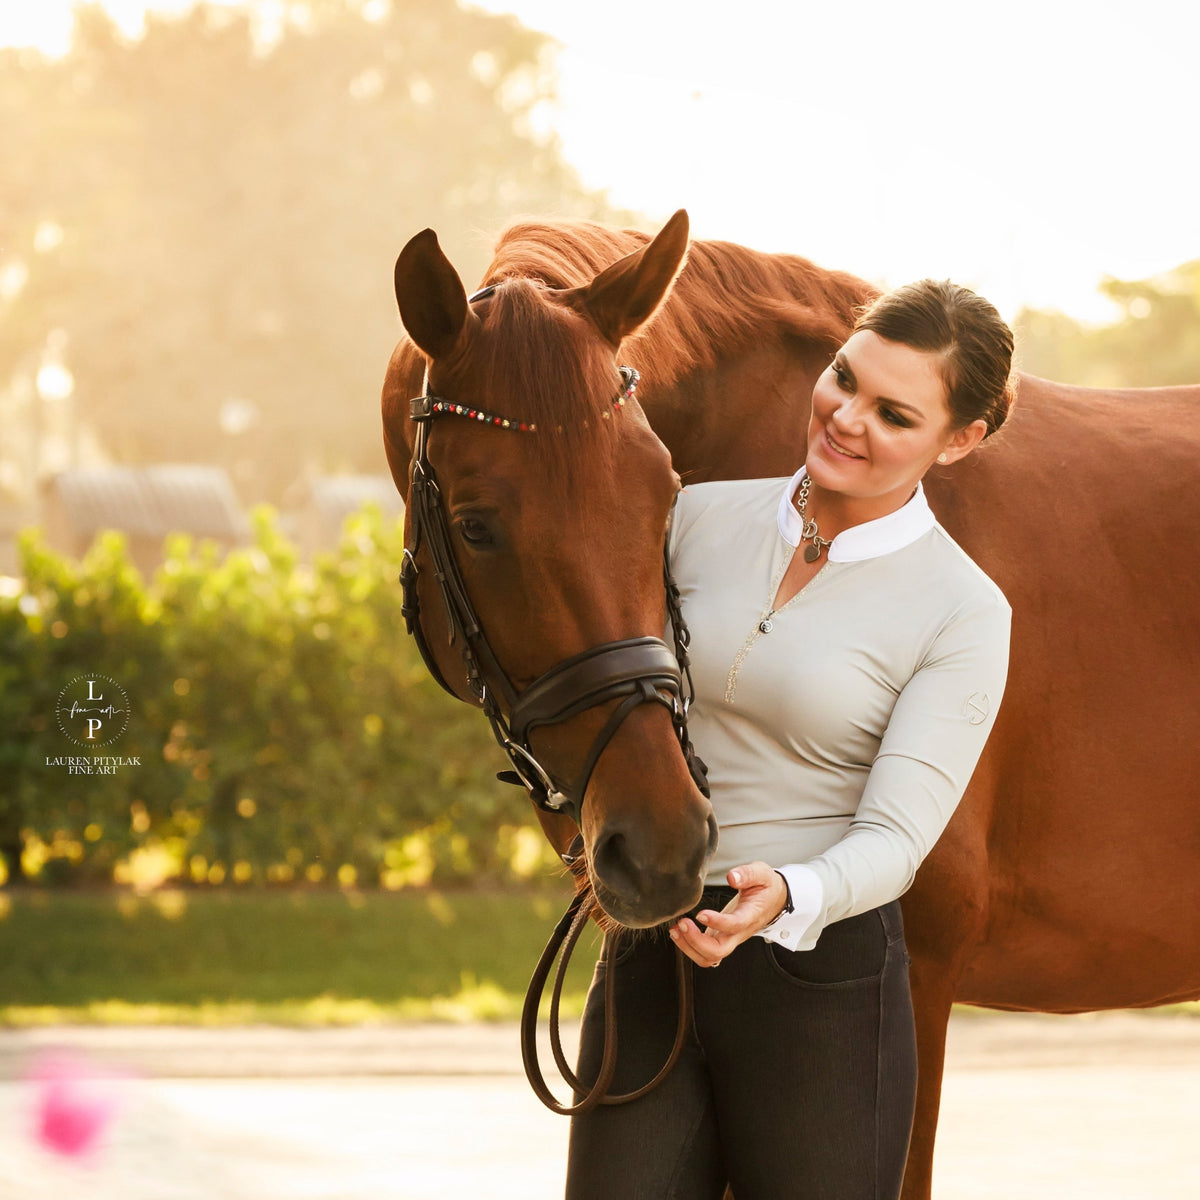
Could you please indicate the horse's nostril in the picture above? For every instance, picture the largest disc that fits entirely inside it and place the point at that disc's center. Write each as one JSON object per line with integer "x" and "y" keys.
{"x": 643, "y": 880}
{"x": 613, "y": 865}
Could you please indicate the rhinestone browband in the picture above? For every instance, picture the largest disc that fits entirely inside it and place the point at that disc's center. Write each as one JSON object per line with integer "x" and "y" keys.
{"x": 429, "y": 405}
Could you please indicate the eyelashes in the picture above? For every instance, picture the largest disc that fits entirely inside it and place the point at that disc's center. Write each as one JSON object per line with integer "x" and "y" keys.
{"x": 889, "y": 415}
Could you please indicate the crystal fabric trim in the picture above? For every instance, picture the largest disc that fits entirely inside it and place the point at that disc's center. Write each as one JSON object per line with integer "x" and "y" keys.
{"x": 763, "y": 626}
{"x": 760, "y": 629}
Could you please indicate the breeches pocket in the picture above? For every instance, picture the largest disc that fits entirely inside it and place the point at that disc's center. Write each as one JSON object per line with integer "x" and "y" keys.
{"x": 848, "y": 953}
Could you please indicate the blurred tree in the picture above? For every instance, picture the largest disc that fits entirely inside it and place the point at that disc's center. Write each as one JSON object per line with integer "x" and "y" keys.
{"x": 209, "y": 216}
{"x": 1155, "y": 343}
{"x": 283, "y": 724}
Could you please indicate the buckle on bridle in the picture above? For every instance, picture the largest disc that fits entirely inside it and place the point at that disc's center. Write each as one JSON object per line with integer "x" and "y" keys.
{"x": 420, "y": 408}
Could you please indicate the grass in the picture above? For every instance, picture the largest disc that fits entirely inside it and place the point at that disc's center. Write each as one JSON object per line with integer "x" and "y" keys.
{"x": 300, "y": 957}
{"x": 233, "y": 957}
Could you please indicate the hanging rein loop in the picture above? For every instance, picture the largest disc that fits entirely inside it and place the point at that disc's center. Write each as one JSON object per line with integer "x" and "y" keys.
{"x": 566, "y": 935}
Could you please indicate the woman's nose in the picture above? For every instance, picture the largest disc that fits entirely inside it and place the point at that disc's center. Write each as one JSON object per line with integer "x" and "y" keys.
{"x": 847, "y": 418}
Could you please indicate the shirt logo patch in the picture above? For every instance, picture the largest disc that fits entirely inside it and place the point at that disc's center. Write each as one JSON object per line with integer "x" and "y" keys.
{"x": 976, "y": 707}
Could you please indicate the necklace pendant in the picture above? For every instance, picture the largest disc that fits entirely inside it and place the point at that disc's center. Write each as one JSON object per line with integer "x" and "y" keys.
{"x": 766, "y": 625}
{"x": 812, "y": 552}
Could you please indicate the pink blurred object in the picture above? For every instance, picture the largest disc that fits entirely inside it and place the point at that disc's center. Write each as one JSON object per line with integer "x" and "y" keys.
{"x": 74, "y": 1104}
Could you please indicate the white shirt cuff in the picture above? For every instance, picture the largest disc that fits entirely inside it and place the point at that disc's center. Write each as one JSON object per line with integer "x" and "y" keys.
{"x": 808, "y": 902}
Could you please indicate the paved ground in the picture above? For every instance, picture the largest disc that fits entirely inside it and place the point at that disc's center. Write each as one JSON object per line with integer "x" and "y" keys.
{"x": 1094, "y": 1108}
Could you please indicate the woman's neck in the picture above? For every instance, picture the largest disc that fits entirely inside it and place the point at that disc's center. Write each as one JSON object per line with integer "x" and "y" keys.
{"x": 836, "y": 512}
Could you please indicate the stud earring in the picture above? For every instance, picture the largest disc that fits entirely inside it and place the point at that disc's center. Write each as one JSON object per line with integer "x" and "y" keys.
{"x": 941, "y": 458}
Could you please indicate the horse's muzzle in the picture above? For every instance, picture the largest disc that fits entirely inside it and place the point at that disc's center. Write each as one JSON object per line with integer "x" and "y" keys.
{"x": 639, "y": 890}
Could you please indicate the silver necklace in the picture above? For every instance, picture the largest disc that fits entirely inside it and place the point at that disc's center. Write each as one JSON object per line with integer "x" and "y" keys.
{"x": 808, "y": 532}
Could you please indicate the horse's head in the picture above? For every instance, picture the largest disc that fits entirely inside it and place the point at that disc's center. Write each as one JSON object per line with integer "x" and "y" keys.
{"x": 556, "y": 494}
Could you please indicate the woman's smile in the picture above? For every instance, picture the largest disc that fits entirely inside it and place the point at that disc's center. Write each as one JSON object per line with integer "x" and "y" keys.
{"x": 837, "y": 448}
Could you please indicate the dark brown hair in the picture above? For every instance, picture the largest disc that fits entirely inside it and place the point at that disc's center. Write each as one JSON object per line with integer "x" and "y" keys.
{"x": 975, "y": 344}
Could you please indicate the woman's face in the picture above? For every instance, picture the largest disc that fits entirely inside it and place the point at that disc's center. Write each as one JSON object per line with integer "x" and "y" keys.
{"x": 879, "y": 421}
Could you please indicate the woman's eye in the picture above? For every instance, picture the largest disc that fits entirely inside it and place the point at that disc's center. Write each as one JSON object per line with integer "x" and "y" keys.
{"x": 474, "y": 532}
{"x": 892, "y": 417}
{"x": 841, "y": 376}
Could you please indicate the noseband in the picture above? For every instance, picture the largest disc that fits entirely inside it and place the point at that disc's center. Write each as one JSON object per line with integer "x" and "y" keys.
{"x": 634, "y": 671}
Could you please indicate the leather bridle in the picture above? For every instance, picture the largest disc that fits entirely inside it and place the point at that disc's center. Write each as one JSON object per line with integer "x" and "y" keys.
{"x": 634, "y": 671}
{"x": 631, "y": 671}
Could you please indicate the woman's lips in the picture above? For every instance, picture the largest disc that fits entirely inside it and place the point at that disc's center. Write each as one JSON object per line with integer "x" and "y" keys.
{"x": 840, "y": 451}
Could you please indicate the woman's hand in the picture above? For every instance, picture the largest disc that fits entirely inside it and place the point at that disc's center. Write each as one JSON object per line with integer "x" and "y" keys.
{"x": 761, "y": 897}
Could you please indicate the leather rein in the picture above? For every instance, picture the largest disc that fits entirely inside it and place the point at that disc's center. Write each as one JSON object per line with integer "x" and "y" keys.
{"x": 633, "y": 671}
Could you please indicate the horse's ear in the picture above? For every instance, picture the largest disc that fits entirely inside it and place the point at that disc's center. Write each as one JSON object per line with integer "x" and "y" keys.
{"x": 623, "y": 297}
{"x": 430, "y": 295}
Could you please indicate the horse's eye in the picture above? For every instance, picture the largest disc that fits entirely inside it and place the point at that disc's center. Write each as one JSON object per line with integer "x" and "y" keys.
{"x": 473, "y": 531}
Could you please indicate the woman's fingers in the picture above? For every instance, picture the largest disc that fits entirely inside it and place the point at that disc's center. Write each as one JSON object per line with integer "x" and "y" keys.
{"x": 729, "y": 921}
{"x": 761, "y": 894}
{"x": 748, "y": 874}
{"x": 704, "y": 949}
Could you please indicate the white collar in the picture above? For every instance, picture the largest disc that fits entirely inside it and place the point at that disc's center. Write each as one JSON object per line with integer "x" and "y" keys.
{"x": 868, "y": 540}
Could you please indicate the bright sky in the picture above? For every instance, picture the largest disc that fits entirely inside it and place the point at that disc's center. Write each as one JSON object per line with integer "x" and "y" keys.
{"x": 1026, "y": 149}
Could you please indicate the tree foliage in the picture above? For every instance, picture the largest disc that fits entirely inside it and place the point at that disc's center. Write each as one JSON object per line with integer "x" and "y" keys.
{"x": 284, "y": 725}
{"x": 1154, "y": 343}
{"x": 230, "y": 212}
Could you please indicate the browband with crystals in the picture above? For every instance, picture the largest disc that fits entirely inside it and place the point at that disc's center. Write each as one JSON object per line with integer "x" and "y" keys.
{"x": 423, "y": 408}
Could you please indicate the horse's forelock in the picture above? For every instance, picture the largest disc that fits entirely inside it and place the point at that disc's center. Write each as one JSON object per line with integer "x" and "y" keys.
{"x": 537, "y": 362}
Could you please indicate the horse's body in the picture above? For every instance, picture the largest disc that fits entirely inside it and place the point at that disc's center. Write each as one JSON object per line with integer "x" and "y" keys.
{"x": 1069, "y": 877}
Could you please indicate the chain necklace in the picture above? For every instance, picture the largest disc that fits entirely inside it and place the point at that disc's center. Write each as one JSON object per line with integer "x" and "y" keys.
{"x": 808, "y": 532}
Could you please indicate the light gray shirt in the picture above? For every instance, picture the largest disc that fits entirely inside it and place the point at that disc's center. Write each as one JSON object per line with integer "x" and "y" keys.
{"x": 840, "y": 731}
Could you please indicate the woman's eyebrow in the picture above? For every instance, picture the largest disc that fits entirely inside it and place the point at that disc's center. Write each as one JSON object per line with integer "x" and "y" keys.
{"x": 844, "y": 364}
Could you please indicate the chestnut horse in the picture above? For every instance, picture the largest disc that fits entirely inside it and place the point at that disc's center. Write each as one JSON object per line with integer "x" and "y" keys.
{"x": 557, "y": 526}
{"x": 1068, "y": 879}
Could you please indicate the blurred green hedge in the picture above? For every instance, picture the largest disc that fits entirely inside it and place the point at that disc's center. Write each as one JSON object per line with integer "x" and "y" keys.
{"x": 285, "y": 726}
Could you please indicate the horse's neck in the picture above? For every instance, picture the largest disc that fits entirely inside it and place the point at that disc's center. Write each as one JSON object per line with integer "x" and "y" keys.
{"x": 730, "y": 359}
{"x": 746, "y": 419}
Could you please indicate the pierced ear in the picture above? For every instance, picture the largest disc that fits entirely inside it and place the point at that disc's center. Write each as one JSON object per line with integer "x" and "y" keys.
{"x": 962, "y": 442}
{"x": 623, "y": 297}
{"x": 430, "y": 295}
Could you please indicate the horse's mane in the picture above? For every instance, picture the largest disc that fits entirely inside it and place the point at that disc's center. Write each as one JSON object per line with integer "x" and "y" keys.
{"x": 726, "y": 298}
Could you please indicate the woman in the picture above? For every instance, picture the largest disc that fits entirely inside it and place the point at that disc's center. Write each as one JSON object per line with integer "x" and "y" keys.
{"x": 848, "y": 660}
